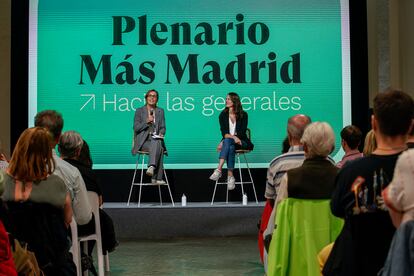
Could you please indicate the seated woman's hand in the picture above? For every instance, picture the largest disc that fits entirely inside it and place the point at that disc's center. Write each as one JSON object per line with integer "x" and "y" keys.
{"x": 220, "y": 145}
{"x": 237, "y": 140}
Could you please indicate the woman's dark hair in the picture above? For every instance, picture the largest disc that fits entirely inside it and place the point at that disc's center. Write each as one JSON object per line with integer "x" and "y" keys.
{"x": 285, "y": 145}
{"x": 85, "y": 155}
{"x": 237, "y": 106}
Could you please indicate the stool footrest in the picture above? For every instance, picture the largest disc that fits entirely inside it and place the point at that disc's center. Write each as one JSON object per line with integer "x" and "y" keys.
{"x": 149, "y": 184}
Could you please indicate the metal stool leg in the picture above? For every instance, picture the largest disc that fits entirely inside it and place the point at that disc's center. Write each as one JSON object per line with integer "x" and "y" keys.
{"x": 140, "y": 182}
{"x": 227, "y": 195}
{"x": 168, "y": 186}
{"x": 107, "y": 267}
{"x": 159, "y": 192}
{"x": 251, "y": 178}
{"x": 240, "y": 173}
{"x": 133, "y": 180}
{"x": 214, "y": 193}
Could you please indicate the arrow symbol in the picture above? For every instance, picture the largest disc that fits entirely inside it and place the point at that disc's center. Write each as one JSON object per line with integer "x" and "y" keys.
{"x": 91, "y": 98}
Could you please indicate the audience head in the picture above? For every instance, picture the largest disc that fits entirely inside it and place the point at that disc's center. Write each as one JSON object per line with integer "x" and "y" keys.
{"x": 370, "y": 143}
{"x": 295, "y": 128}
{"x": 32, "y": 158}
{"x": 393, "y": 113}
{"x": 70, "y": 144}
{"x": 52, "y": 121}
{"x": 351, "y": 135}
{"x": 85, "y": 155}
{"x": 318, "y": 140}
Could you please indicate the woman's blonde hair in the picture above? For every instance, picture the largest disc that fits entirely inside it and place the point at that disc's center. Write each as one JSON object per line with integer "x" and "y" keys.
{"x": 370, "y": 143}
{"x": 32, "y": 158}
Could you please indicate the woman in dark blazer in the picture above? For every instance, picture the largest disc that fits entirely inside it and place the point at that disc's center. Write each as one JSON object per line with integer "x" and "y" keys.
{"x": 233, "y": 125}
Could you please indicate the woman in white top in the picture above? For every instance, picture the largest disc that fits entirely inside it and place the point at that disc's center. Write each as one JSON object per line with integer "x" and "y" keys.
{"x": 233, "y": 125}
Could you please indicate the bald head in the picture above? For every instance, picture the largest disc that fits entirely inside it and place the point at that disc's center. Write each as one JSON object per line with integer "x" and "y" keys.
{"x": 296, "y": 127}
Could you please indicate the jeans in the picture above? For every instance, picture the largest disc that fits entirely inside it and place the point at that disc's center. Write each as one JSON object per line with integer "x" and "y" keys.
{"x": 228, "y": 152}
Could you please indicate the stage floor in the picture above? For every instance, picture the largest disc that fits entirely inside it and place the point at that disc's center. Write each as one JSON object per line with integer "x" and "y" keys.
{"x": 117, "y": 205}
{"x": 152, "y": 221}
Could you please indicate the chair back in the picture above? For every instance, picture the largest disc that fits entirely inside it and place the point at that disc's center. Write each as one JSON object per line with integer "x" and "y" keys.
{"x": 303, "y": 228}
{"x": 75, "y": 245}
{"x": 94, "y": 202}
{"x": 248, "y": 133}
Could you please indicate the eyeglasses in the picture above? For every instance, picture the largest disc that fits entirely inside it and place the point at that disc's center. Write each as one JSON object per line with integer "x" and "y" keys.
{"x": 152, "y": 96}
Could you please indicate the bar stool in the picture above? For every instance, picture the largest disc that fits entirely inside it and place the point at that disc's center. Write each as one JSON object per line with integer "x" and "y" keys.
{"x": 241, "y": 182}
{"x": 141, "y": 183}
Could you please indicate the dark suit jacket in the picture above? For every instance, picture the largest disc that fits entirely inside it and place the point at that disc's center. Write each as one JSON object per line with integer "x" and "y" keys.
{"x": 141, "y": 127}
{"x": 241, "y": 128}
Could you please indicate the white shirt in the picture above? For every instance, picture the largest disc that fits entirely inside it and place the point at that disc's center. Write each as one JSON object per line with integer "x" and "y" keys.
{"x": 232, "y": 127}
{"x": 82, "y": 210}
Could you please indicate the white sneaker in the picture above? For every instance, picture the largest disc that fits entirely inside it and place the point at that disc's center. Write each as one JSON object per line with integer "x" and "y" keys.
{"x": 215, "y": 175}
{"x": 231, "y": 183}
{"x": 158, "y": 182}
{"x": 150, "y": 171}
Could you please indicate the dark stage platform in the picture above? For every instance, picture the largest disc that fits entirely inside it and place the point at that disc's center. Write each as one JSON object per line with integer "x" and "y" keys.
{"x": 152, "y": 221}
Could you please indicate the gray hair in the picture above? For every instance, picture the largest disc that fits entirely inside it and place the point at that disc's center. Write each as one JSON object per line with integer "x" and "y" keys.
{"x": 69, "y": 144}
{"x": 319, "y": 138}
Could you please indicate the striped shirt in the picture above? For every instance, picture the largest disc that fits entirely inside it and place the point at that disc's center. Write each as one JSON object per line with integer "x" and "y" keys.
{"x": 352, "y": 155}
{"x": 279, "y": 166}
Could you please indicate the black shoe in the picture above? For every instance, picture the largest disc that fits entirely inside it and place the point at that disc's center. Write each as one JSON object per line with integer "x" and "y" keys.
{"x": 112, "y": 249}
{"x": 87, "y": 264}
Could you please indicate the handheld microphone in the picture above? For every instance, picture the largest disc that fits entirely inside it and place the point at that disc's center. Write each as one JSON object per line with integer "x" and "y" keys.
{"x": 152, "y": 111}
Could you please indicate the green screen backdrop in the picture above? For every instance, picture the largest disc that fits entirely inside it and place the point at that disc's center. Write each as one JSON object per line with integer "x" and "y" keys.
{"x": 93, "y": 60}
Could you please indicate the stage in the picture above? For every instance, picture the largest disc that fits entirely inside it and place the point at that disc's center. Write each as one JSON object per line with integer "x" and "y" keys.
{"x": 197, "y": 219}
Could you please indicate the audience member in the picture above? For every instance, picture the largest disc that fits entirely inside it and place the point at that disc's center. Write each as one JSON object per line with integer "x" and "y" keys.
{"x": 278, "y": 167}
{"x": 370, "y": 143}
{"x": 351, "y": 138}
{"x": 293, "y": 158}
{"x": 71, "y": 145}
{"x": 315, "y": 178}
{"x": 285, "y": 145}
{"x": 362, "y": 246}
{"x": 7, "y": 266}
{"x": 29, "y": 173}
{"x": 38, "y": 203}
{"x": 85, "y": 155}
{"x": 399, "y": 197}
{"x": 82, "y": 211}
